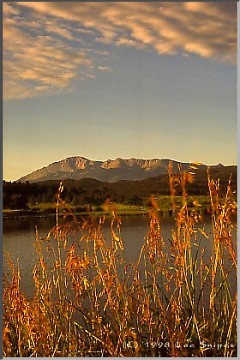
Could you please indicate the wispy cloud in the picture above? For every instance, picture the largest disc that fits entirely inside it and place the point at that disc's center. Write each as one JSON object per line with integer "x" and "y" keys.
{"x": 48, "y": 45}
{"x": 104, "y": 68}
{"x": 35, "y": 60}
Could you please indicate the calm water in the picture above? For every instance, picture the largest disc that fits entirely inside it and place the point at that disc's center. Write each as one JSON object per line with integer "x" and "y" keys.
{"x": 19, "y": 236}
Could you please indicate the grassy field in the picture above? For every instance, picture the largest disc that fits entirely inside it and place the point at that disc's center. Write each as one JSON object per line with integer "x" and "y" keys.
{"x": 164, "y": 207}
{"x": 89, "y": 302}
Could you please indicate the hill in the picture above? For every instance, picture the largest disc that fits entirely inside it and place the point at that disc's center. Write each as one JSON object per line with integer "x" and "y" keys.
{"x": 110, "y": 170}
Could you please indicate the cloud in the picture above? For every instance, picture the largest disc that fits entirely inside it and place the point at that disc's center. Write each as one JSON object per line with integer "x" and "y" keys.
{"x": 35, "y": 60}
{"x": 60, "y": 31}
{"x": 104, "y": 68}
{"x": 48, "y": 45}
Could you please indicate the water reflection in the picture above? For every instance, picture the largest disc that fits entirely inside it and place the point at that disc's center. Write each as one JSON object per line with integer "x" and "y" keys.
{"x": 19, "y": 237}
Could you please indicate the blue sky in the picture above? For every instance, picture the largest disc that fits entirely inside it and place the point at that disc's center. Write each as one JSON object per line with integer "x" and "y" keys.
{"x": 101, "y": 80}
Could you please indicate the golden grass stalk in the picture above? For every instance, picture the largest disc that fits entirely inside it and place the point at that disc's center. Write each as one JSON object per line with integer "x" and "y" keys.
{"x": 88, "y": 301}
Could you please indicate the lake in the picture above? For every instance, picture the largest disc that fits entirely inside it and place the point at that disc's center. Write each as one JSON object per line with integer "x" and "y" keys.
{"x": 19, "y": 237}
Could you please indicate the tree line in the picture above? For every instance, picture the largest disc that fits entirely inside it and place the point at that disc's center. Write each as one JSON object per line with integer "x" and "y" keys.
{"x": 17, "y": 195}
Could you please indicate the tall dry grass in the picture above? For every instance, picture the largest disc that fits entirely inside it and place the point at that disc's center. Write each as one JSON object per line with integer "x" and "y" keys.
{"x": 175, "y": 300}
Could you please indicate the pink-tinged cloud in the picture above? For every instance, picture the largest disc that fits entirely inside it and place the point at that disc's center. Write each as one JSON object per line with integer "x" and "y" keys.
{"x": 44, "y": 51}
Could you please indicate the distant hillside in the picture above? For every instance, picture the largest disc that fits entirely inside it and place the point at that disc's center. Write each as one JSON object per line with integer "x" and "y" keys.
{"x": 121, "y": 190}
{"x": 110, "y": 170}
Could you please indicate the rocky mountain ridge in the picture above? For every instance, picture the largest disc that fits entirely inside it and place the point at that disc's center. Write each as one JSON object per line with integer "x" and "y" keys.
{"x": 78, "y": 167}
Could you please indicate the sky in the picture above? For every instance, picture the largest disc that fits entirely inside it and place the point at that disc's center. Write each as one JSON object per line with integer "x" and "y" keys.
{"x": 107, "y": 80}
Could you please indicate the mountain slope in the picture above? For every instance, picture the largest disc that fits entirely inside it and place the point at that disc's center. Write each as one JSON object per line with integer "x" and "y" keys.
{"x": 110, "y": 170}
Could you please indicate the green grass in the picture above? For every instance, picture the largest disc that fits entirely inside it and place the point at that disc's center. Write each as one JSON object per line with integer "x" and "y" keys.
{"x": 163, "y": 201}
{"x": 43, "y": 206}
{"x": 165, "y": 204}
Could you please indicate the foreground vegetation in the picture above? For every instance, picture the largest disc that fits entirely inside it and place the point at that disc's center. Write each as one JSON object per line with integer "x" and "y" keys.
{"x": 174, "y": 301}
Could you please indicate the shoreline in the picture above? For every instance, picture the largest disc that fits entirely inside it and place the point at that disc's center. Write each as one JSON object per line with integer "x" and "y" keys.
{"x": 25, "y": 214}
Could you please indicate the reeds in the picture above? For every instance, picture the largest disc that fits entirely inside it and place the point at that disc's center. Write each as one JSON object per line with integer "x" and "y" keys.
{"x": 175, "y": 300}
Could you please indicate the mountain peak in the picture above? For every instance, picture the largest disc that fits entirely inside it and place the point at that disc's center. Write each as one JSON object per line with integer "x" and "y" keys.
{"x": 111, "y": 170}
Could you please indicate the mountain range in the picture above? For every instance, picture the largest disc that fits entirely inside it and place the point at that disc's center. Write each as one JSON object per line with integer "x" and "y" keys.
{"x": 78, "y": 167}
